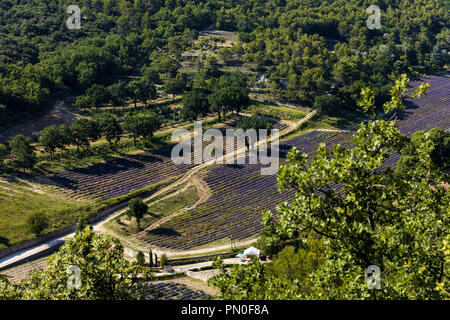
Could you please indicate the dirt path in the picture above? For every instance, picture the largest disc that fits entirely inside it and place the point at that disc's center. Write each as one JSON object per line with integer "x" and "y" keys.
{"x": 58, "y": 115}
{"x": 202, "y": 191}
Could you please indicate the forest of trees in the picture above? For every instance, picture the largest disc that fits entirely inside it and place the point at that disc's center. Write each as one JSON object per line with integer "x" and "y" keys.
{"x": 309, "y": 49}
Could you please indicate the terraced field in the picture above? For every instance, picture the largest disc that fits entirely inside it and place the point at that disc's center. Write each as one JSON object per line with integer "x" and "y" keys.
{"x": 239, "y": 192}
{"x": 430, "y": 111}
{"x": 122, "y": 175}
{"x": 230, "y": 214}
{"x": 119, "y": 176}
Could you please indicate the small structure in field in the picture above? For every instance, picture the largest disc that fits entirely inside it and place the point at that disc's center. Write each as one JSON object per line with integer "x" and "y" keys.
{"x": 251, "y": 253}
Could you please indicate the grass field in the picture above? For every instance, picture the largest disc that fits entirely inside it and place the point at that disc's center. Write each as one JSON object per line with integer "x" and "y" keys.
{"x": 20, "y": 199}
{"x": 342, "y": 121}
{"x": 277, "y": 112}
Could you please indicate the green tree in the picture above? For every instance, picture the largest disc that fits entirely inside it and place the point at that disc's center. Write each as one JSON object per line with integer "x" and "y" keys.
{"x": 218, "y": 101}
{"x": 78, "y": 135}
{"x": 64, "y": 135}
{"x": 175, "y": 86}
{"x": 166, "y": 64}
{"x": 50, "y": 138}
{"x": 195, "y": 103}
{"x": 137, "y": 209}
{"x": 256, "y": 123}
{"x": 150, "y": 75}
{"x": 438, "y": 56}
{"x": 163, "y": 261}
{"x": 142, "y": 124}
{"x": 145, "y": 91}
{"x": 110, "y": 128}
{"x": 3, "y": 153}
{"x": 140, "y": 258}
{"x": 327, "y": 104}
{"x": 440, "y": 154}
{"x": 229, "y": 94}
{"x": 150, "y": 256}
{"x": 25, "y": 156}
{"x": 97, "y": 95}
{"x": 3, "y": 150}
{"x": 83, "y": 131}
{"x": 133, "y": 89}
{"x": 83, "y": 102}
{"x": 211, "y": 67}
{"x": 118, "y": 93}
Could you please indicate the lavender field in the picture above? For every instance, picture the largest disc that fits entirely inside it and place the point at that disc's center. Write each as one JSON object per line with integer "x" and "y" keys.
{"x": 240, "y": 193}
{"x": 120, "y": 176}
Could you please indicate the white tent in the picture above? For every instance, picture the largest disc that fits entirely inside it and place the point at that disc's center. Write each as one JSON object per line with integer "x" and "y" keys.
{"x": 252, "y": 251}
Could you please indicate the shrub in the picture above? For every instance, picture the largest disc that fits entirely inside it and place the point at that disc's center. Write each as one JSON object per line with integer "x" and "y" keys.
{"x": 25, "y": 157}
{"x": 163, "y": 260}
{"x": 37, "y": 223}
{"x": 82, "y": 223}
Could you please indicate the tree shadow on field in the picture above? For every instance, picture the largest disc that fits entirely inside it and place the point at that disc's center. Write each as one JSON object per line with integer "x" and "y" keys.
{"x": 409, "y": 110}
{"x": 118, "y": 165}
{"x": 4, "y": 241}
{"x": 168, "y": 232}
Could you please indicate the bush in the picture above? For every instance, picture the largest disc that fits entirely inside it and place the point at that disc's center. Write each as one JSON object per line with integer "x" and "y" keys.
{"x": 163, "y": 261}
{"x": 82, "y": 223}
{"x": 37, "y": 223}
{"x": 254, "y": 122}
{"x": 327, "y": 104}
{"x": 25, "y": 157}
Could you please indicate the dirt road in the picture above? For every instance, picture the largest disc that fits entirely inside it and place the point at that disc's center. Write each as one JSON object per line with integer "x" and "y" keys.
{"x": 58, "y": 115}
